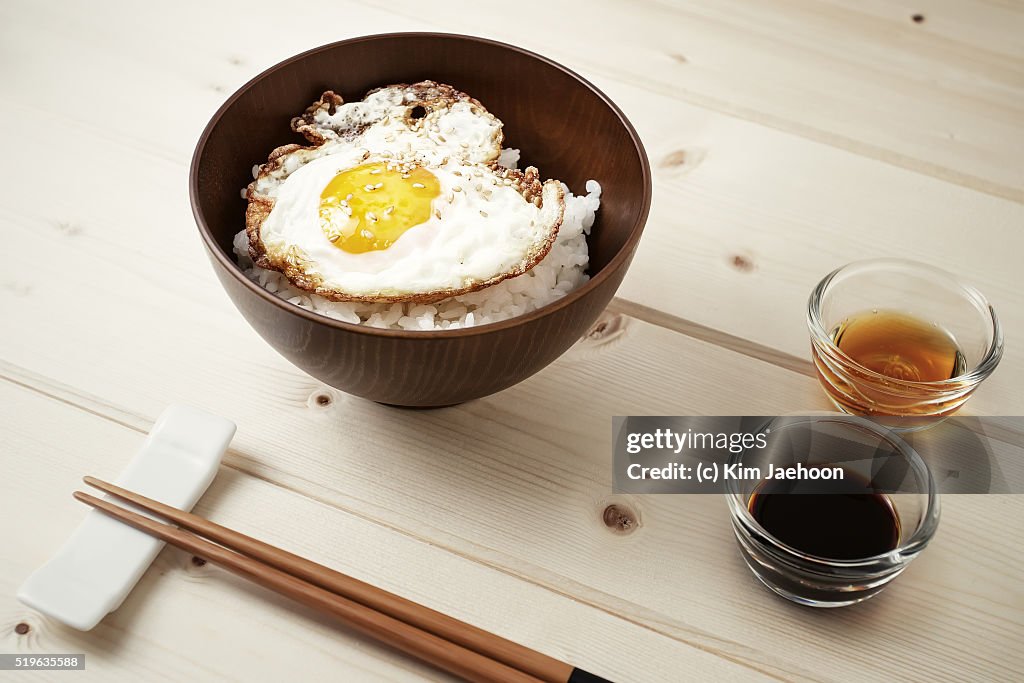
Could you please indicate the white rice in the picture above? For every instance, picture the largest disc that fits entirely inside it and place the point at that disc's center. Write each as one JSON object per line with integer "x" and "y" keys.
{"x": 560, "y": 272}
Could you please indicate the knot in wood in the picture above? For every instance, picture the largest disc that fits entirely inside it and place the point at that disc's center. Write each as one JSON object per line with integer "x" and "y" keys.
{"x": 620, "y": 519}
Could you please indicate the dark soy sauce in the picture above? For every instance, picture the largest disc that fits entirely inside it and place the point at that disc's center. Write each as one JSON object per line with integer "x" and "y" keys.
{"x": 827, "y": 518}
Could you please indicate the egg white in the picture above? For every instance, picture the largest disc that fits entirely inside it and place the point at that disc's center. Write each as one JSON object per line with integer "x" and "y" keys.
{"x": 483, "y": 233}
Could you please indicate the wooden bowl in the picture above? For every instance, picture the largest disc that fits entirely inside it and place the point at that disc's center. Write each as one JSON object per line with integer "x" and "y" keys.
{"x": 563, "y": 125}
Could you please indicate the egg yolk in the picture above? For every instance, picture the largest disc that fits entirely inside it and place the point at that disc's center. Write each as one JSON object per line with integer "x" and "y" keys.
{"x": 368, "y": 207}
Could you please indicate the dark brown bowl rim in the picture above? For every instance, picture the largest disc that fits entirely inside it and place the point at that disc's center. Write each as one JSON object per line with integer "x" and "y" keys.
{"x": 612, "y": 266}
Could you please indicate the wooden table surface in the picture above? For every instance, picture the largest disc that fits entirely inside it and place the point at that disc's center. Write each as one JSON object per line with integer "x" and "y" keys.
{"x": 786, "y": 139}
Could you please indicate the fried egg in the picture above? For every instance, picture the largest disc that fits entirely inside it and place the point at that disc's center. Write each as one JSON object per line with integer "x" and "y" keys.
{"x": 394, "y": 204}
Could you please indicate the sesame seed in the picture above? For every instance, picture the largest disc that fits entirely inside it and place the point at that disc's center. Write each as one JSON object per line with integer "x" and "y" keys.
{"x": 405, "y": 175}
{"x": 390, "y": 210}
{"x": 348, "y": 197}
{"x": 442, "y": 138}
{"x": 378, "y": 186}
{"x": 479, "y": 186}
{"x": 451, "y": 197}
{"x": 457, "y": 188}
{"x": 484, "y": 214}
{"x": 371, "y": 216}
{"x": 458, "y": 173}
{"x": 334, "y": 238}
{"x": 368, "y": 188}
{"x": 375, "y": 171}
{"x": 464, "y": 145}
{"x": 437, "y": 213}
{"x": 419, "y": 186}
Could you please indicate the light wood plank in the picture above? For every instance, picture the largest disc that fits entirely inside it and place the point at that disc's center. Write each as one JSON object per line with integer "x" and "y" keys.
{"x": 185, "y": 621}
{"x": 516, "y": 484}
{"x": 944, "y": 97}
{"x": 882, "y": 87}
{"x": 987, "y": 27}
{"x": 738, "y": 238}
{"x": 519, "y": 482}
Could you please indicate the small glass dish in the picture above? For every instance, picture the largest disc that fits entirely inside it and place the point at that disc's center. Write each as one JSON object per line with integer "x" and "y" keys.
{"x": 881, "y": 473}
{"x": 955, "y": 314}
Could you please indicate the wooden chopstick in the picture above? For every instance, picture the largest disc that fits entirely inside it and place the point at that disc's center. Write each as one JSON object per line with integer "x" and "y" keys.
{"x": 476, "y": 639}
{"x": 465, "y": 636}
{"x": 439, "y": 652}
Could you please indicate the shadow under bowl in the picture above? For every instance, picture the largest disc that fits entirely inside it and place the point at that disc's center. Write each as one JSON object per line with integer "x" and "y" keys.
{"x": 560, "y": 122}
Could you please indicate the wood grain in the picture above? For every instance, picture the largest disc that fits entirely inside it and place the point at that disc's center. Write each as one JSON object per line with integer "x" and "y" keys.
{"x": 942, "y": 97}
{"x": 445, "y": 655}
{"x": 787, "y": 138}
{"x": 189, "y": 621}
{"x": 882, "y": 87}
{"x": 449, "y": 479}
{"x": 402, "y": 612}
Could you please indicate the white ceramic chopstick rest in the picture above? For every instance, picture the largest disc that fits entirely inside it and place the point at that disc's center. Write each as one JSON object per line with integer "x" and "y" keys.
{"x": 98, "y": 566}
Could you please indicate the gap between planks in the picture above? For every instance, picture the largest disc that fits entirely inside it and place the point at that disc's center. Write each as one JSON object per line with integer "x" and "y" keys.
{"x": 87, "y": 403}
{"x": 760, "y": 116}
{"x": 806, "y": 131}
{"x": 710, "y": 335}
{"x": 766, "y": 354}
